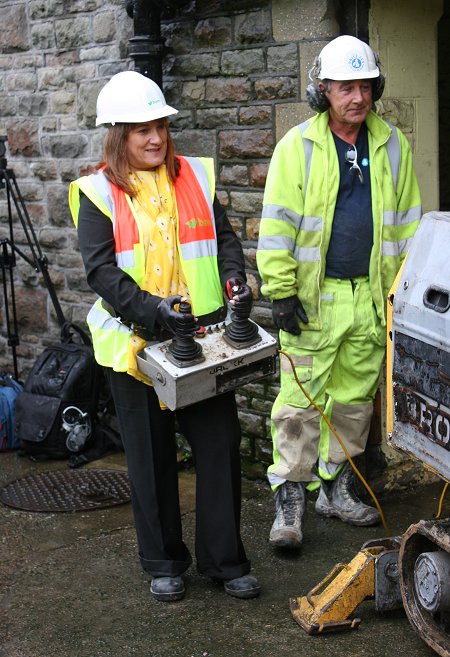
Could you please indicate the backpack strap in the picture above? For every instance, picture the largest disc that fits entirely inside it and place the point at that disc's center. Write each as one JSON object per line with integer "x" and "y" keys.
{"x": 67, "y": 333}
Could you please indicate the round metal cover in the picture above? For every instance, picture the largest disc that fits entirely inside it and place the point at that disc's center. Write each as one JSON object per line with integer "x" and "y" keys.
{"x": 68, "y": 490}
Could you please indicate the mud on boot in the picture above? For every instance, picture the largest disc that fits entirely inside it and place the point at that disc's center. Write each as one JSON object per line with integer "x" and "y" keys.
{"x": 290, "y": 505}
{"x": 338, "y": 499}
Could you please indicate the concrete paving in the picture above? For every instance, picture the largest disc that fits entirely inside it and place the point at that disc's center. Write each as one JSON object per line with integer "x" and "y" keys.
{"x": 71, "y": 585}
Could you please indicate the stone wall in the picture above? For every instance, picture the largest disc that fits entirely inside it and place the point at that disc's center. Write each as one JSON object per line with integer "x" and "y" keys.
{"x": 226, "y": 72}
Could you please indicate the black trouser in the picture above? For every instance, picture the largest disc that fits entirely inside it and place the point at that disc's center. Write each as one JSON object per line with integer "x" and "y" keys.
{"x": 212, "y": 429}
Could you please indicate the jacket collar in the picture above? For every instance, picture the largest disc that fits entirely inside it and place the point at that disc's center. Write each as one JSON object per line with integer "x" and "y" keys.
{"x": 319, "y": 131}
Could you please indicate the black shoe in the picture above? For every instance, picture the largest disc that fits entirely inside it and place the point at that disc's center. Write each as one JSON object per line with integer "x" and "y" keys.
{"x": 242, "y": 587}
{"x": 167, "y": 589}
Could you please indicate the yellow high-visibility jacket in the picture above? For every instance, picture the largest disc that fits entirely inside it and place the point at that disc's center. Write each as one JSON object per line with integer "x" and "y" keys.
{"x": 298, "y": 208}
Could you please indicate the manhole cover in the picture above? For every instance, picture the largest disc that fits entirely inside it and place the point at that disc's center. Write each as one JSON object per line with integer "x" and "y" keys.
{"x": 68, "y": 490}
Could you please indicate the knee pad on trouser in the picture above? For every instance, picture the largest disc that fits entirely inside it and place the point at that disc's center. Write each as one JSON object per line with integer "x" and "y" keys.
{"x": 295, "y": 435}
{"x": 352, "y": 424}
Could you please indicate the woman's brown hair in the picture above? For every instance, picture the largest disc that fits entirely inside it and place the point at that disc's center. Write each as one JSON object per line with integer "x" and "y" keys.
{"x": 115, "y": 164}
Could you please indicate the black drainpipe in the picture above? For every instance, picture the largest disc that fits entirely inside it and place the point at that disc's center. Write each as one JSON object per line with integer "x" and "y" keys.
{"x": 147, "y": 47}
{"x": 353, "y": 18}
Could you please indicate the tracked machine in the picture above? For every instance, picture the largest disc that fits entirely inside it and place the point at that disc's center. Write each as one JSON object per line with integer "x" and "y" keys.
{"x": 412, "y": 570}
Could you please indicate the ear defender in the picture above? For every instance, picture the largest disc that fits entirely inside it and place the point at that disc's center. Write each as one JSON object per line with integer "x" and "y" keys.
{"x": 316, "y": 98}
{"x": 378, "y": 87}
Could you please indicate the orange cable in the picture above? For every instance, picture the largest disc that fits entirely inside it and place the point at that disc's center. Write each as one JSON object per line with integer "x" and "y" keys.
{"x": 366, "y": 485}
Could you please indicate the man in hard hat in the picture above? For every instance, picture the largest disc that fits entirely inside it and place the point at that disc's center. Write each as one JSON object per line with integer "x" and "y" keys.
{"x": 341, "y": 205}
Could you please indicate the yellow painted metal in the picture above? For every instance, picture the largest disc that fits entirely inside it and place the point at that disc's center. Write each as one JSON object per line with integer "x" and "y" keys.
{"x": 389, "y": 355}
{"x": 328, "y": 606}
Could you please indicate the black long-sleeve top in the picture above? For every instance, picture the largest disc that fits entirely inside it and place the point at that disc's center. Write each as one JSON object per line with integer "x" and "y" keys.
{"x": 117, "y": 288}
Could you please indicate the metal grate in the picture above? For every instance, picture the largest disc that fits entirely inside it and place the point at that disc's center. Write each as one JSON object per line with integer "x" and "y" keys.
{"x": 68, "y": 490}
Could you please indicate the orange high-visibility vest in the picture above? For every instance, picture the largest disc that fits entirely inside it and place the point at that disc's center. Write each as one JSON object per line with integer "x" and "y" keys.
{"x": 197, "y": 248}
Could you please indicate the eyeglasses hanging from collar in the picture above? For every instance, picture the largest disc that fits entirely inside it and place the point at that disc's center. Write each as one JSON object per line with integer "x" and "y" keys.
{"x": 351, "y": 157}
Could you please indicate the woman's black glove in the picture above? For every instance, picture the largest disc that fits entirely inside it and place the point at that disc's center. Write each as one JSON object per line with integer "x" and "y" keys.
{"x": 240, "y": 294}
{"x": 166, "y": 315}
{"x": 286, "y": 312}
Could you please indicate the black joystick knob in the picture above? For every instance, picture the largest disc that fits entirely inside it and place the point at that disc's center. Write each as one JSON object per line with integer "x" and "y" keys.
{"x": 184, "y": 351}
{"x": 241, "y": 332}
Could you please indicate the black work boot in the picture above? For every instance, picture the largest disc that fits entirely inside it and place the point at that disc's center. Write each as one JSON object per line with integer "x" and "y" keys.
{"x": 338, "y": 498}
{"x": 290, "y": 505}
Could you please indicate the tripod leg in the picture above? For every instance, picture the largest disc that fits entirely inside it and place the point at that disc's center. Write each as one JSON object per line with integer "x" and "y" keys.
{"x": 7, "y": 263}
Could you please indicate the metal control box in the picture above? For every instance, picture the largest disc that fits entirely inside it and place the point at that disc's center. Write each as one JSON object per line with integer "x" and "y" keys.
{"x": 421, "y": 348}
{"x": 223, "y": 368}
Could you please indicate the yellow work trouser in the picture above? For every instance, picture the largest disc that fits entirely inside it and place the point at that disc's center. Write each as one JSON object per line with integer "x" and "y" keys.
{"x": 339, "y": 367}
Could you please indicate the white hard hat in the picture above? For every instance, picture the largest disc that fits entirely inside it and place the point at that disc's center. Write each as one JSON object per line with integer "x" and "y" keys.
{"x": 130, "y": 97}
{"x": 347, "y": 58}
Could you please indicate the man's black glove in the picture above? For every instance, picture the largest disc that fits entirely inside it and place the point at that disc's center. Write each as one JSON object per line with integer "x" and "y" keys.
{"x": 287, "y": 312}
{"x": 166, "y": 315}
{"x": 241, "y": 294}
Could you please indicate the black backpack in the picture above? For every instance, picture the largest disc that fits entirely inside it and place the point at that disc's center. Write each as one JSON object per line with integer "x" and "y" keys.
{"x": 58, "y": 412}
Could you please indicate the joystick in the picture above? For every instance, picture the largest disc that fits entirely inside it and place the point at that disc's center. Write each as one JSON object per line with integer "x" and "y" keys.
{"x": 184, "y": 351}
{"x": 241, "y": 332}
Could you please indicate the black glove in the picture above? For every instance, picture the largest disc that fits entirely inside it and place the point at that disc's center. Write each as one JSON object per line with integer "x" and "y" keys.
{"x": 166, "y": 315}
{"x": 286, "y": 312}
{"x": 240, "y": 293}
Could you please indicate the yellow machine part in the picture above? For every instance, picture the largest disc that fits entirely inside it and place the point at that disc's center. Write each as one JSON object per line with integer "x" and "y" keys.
{"x": 389, "y": 356}
{"x": 328, "y": 606}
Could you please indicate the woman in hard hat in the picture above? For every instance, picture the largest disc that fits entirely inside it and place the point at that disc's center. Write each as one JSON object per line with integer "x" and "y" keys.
{"x": 152, "y": 232}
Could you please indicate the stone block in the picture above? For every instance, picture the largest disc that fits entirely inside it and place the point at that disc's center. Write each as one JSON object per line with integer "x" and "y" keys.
{"x": 33, "y": 104}
{"x": 197, "y": 64}
{"x": 258, "y": 174}
{"x": 246, "y": 202}
{"x": 234, "y": 175}
{"x": 254, "y": 27}
{"x": 242, "y": 62}
{"x": 14, "y": 28}
{"x": 31, "y": 308}
{"x": 216, "y": 117}
{"x": 43, "y": 36}
{"x": 252, "y": 228}
{"x": 255, "y": 114}
{"x": 73, "y": 32}
{"x": 193, "y": 93}
{"x": 214, "y": 31}
{"x": 275, "y": 88}
{"x": 219, "y": 90}
{"x": 23, "y": 138}
{"x": 282, "y": 59}
{"x": 104, "y": 27}
{"x": 65, "y": 146}
{"x": 245, "y": 143}
{"x": 200, "y": 143}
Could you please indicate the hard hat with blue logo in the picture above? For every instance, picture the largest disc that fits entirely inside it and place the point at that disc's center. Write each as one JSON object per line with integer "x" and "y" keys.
{"x": 344, "y": 58}
{"x": 347, "y": 58}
